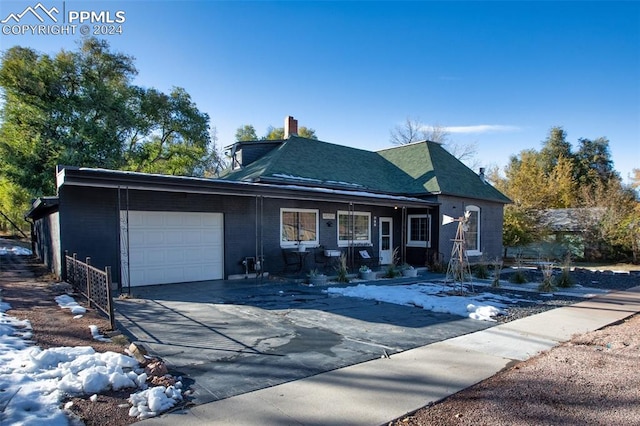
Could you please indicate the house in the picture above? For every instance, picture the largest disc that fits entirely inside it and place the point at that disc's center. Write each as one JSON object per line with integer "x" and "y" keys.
{"x": 564, "y": 232}
{"x": 294, "y": 198}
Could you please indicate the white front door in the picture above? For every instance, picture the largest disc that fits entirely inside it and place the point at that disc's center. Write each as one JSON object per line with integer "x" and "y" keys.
{"x": 386, "y": 240}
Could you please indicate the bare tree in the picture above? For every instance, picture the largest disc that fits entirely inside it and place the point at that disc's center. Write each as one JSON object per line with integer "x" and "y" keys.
{"x": 465, "y": 153}
{"x": 413, "y": 130}
{"x": 436, "y": 133}
{"x": 407, "y": 132}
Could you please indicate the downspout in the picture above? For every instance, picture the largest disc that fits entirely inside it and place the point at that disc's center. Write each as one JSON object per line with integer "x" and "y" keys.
{"x": 352, "y": 230}
{"x": 259, "y": 237}
{"x": 123, "y": 228}
{"x": 403, "y": 235}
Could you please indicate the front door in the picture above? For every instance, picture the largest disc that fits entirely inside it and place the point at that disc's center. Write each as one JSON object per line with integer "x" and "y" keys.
{"x": 386, "y": 240}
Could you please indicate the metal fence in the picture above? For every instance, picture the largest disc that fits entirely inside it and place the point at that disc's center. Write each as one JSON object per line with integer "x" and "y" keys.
{"x": 91, "y": 282}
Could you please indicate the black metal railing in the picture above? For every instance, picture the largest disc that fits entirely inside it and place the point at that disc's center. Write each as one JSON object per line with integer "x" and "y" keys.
{"x": 92, "y": 283}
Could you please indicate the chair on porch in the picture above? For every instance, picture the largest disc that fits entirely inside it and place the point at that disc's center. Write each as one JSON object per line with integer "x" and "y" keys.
{"x": 291, "y": 261}
{"x": 364, "y": 257}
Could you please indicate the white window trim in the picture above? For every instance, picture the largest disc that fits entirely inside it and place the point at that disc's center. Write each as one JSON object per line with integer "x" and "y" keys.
{"x": 477, "y": 252}
{"x": 417, "y": 243}
{"x": 345, "y": 243}
{"x": 294, "y": 244}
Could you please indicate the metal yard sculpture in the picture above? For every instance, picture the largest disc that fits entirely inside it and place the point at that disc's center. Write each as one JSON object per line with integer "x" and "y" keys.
{"x": 459, "y": 270}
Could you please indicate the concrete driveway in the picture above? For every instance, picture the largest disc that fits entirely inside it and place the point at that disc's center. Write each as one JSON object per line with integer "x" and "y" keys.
{"x": 231, "y": 337}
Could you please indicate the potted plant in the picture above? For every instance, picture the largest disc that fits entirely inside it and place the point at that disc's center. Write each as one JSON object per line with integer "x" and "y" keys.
{"x": 366, "y": 273}
{"x": 316, "y": 278}
{"x": 409, "y": 271}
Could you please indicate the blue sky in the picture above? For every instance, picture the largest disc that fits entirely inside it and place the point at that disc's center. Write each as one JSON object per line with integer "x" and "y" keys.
{"x": 498, "y": 74}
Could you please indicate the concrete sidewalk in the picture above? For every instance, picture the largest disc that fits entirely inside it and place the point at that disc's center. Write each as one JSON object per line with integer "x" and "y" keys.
{"x": 375, "y": 392}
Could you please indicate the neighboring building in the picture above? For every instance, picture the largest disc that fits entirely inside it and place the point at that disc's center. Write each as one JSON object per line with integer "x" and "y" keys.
{"x": 276, "y": 197}
{"x": 565, "y": 232}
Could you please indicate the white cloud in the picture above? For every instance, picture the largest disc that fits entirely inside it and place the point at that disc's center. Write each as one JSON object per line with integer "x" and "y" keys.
{"x": 482, "y": 128}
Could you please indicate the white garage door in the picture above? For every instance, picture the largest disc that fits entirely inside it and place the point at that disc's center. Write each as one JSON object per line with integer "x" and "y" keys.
{"x": 173, "y": 247}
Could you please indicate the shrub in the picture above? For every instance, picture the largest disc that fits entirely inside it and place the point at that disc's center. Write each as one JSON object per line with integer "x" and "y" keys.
{"x": 392, "y": 271}
{"x": 518, "y": 277}
{"x": 481, "y": 271}
{"x": 497, "y": 268}
{"x": 341, "y": 269}
{"x": 564, "y": 280}
{"x": 437, "y": 266}
{"x": 547, "y": 279}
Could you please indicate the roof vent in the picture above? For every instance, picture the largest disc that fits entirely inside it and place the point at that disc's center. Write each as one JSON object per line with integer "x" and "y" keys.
{"x": 290, "y": 127}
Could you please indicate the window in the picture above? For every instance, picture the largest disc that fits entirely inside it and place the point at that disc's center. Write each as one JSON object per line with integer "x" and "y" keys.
{"x": 298, "y": 225}
{"x": 472, "y": 231}
{"x": 354, "y": 227}
{"x": 419, "y": 231}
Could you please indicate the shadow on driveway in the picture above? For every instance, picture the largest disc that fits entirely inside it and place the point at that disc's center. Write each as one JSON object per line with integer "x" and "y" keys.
{"x": 233, "y": 337}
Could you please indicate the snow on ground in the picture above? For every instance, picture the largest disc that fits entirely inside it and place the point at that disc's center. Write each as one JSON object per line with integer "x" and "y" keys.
{"x": 20, "y": 251}
{"x": 34, "y": 382}
{"x": 432, "y": 297}
{"x": 67, "y": 302}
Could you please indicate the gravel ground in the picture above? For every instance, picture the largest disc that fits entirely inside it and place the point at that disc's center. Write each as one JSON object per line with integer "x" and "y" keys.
{"x": 591, "y": 380}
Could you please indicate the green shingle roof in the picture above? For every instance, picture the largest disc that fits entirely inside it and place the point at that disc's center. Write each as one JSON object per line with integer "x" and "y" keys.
{"x": 437, "y": 171}
{"x": 418, "y": 169}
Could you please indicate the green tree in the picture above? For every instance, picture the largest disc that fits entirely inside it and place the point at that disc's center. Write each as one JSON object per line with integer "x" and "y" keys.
{"x": 612, "y": 222}
{"x": 555, "y": 178}
{"x": 246, "y": 133}
{"x": 594, "y": 163}
{"x": 555, "y": 147}
{"x": 277, "y": 133}
{"x": 14, "y": 202}
{"x": 635, "y": 178}
{"x": 172, "y": 135}
{"x": 274, "y": 133}
{"x": 80, "y": 108}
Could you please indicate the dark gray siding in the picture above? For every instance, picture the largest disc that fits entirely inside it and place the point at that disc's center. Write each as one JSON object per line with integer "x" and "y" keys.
{"x": 89, "y": 225}
{"x": 252, "y": 151}
{"x": 46, "y": 239}
{"x": 491, "y": 216}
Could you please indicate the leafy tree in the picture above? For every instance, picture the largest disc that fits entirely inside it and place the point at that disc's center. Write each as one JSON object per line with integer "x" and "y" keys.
{"x": 14, "y": 201}
{"x": 173, "y": 135}
{"x": 246, "y": 133}
{"x": 613, "y": 232}
{"x": 555, "y": 177}
{"x": 635, "y": 179}
{"x": 277, "y": 133}
{"x": 562, "y": 184}
{"x": 520, "y": 226}
{"x": 80, "y": 108}
{"x": 526, "y": 181}
{"x": 594, "y": 163}
{"x": 274, "y": 133}
{"x": 555, "y": 147}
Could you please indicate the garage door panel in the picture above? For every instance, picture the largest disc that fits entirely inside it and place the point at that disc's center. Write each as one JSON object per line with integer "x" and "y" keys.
{"x": 167, "y": 247}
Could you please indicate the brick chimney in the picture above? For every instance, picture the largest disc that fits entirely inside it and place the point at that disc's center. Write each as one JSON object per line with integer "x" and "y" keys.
{"x": 290, "y": 127}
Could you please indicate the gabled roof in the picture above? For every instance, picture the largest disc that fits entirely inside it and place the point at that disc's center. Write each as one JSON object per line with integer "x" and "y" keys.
{"x": 419, "y": 169}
